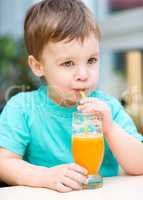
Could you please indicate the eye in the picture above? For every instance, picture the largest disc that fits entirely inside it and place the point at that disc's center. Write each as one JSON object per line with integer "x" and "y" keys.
{"x": 67, "y": 63}
{"x": 92, "y": 60}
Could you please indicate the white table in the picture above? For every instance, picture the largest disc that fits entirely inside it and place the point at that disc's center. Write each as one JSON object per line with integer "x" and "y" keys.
{"x": 115, "y": 188}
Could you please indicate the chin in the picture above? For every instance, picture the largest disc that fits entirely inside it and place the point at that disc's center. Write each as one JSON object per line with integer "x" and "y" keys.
{"x": 71, "y": 101}
{"x": 68, "y": 103}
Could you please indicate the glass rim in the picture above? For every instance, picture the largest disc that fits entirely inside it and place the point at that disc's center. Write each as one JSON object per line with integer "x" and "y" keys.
{"x": 96, "y": 113}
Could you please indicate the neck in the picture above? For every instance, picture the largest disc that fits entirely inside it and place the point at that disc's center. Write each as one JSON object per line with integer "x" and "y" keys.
{"x": 62, "y": 101}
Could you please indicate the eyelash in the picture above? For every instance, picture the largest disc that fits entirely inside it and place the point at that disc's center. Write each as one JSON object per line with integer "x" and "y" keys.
{"x": 94, "y": 60}
{"x": 67, "y": 63}
{"x": 71, "y": 63}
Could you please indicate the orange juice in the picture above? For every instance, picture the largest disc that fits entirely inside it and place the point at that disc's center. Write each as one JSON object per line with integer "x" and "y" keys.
{"x": 88, "y": 151}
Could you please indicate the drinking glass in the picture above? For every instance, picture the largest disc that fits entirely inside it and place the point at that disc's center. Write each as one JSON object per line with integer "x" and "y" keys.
{"x": 88, "y": 145}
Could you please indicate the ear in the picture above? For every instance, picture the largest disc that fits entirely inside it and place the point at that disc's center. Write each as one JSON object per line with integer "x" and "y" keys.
{"x": 35, "y": 66}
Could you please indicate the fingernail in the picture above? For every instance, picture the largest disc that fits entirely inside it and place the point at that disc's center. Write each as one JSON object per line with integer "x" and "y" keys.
{"x": 86, "y": 181}
{"x": 85, "y": 171}
{"x": 78, "y": 108}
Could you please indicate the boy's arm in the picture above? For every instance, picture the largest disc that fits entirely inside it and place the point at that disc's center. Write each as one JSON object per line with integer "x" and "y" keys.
{"x": 15, "y": 171}
{"x": 127, "y": 149}
{"x": 122, "y": 141}
{"x": 63, "y": 178}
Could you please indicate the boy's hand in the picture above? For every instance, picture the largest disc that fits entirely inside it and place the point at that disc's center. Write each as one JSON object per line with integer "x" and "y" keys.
{"x": 92, "y": 105}
{"x": 66, "y": 177}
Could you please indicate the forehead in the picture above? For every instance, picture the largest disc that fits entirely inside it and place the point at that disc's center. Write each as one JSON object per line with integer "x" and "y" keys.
{"x": 74, "y": 47}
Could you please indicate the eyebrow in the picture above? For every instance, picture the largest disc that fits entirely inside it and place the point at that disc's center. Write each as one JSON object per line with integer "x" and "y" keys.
{"x": 64, "y": 58}
{"x": 96, "y": 54}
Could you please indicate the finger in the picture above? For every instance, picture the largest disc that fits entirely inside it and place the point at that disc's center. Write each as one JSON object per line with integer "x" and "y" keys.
{"x": 83, "y": 106}
{"x": 71, "y": 183}
{"x": 89, "y": 108}
{"x": 77, "y": 168}
{"x": 87, "y": 100}
{"x": 62, "y": 188}
{"x": 78, "y": 177}
{"x": 96, "y": 106}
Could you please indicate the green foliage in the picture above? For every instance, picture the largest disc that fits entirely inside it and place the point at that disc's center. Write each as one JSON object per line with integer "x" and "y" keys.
{"x": 14, "y": 69}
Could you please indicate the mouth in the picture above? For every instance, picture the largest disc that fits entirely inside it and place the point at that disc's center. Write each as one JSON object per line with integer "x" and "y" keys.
{"x": 78, "y": 90}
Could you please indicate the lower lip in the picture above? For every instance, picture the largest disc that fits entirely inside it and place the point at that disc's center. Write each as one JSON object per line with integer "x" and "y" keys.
{"x": 77, "y": 91}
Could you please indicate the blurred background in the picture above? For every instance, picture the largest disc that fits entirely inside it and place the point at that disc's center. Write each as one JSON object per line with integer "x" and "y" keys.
{"x": 121, "y": 51}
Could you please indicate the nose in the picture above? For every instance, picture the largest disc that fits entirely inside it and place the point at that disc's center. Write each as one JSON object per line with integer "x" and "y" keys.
{"x": 81, "y": 73}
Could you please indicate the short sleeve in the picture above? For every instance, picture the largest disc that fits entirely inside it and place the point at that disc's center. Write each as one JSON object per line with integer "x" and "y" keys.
{"x": 121, "y": 117}
{"x": 14, "y": 132}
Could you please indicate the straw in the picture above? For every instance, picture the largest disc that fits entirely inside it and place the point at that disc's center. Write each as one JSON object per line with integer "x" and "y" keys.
{"x": 83, "y": 95}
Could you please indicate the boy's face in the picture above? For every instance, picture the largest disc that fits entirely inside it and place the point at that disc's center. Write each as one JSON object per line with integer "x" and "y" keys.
{"x": 70, "y": 68}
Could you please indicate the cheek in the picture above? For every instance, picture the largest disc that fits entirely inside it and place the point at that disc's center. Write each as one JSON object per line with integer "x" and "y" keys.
{"x": 59, "y": 80}
{"x": 95, "y": 75}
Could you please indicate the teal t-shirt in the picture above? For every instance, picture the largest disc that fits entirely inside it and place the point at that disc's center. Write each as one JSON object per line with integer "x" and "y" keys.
{"x": 38, "y": 129}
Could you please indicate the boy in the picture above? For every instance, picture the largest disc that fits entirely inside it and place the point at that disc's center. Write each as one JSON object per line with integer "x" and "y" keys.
{"x": 62, "y": 39}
